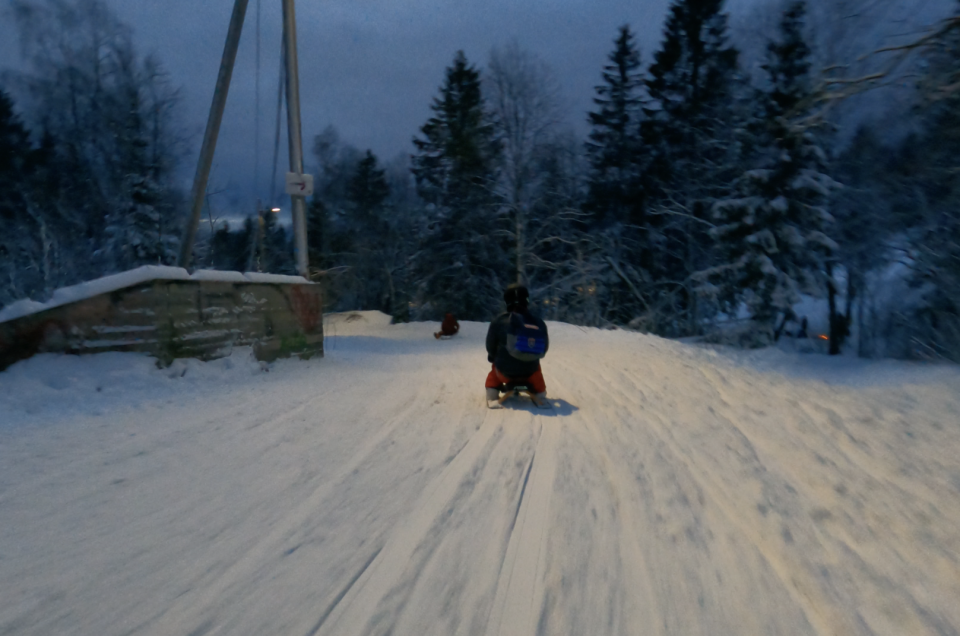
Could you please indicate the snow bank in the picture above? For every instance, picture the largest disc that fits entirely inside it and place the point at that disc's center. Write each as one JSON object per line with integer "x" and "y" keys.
{"x": 144, "y": 274}
{"x": 278, "y": 279}
{"x": 59, "y": 386}
{"x": 844, "y": 370}
{"x": 218, "y": 276}
{"x": 354, "y": 322}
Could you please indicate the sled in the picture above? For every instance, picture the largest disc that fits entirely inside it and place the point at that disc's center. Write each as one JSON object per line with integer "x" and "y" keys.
{"x": 511, "y": 390}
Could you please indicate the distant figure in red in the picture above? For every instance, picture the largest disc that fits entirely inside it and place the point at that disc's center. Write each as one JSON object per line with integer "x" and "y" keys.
{"x": 448, "y": 328}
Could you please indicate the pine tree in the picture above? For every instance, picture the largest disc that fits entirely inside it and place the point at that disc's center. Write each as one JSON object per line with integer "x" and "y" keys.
{"x": 15, "y": 146}
{"x": 772, "y": 235}
{"x": 134, "y": 236}
{"x": 16, "y": 231}
{"x": 689, "y": 135}
{"x": 454, "y": 162}
{"x": 691, "y": 86}
{"x": 936, "y": 173}
{"x": 112, "y": 116}
{"x": 368, "y": 189}
{"x": 369, "y": 231}
{"x": 318, "y": 225}
{"x": 614, "y": 188}
{"x": 134, "y": 229}
{"x": 463, "y": 263}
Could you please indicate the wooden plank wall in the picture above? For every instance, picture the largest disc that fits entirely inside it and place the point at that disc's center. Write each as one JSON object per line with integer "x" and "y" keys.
{"x": 172, "y": 319}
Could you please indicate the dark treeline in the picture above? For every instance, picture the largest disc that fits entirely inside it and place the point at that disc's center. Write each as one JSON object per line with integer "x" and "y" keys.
{"x": 722, "y": 181}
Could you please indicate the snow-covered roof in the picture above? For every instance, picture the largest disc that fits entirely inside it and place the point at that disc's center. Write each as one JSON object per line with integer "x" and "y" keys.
{"x": 144, "y": 274}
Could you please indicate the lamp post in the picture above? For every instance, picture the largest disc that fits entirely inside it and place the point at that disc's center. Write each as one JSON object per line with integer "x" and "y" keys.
{"x": 298, "y": 207}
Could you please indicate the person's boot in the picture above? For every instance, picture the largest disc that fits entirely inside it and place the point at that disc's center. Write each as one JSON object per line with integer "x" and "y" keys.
{"x": 493, "y": 394}
{"x": 540, "y": 398}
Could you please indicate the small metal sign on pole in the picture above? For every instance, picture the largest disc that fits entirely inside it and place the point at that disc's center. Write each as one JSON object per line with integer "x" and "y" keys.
{"x": 299, "y": 185}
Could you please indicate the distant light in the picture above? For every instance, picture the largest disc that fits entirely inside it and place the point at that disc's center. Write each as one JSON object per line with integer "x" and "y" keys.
{"x": 275, "y": 210}
{"x": 823, "y": 337}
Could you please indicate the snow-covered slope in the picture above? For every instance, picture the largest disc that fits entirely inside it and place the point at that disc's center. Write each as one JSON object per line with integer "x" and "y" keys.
{"x": 670, "y": 490}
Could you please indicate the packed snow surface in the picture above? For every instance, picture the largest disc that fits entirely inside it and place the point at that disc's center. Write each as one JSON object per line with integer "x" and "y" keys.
{"x": 669, "y": 490}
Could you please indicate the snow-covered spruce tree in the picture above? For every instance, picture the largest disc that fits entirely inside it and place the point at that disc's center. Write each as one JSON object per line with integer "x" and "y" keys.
{"x": 329, "y": 216}
{"x": 136, "y": 232}
{"x": 133, "y": 232}
{"x": 463, "y": 263}
{"x": 772, "y": 236}
{"x": 19, "y": 251}
{"x": 367, "y": 193}
{"x": 935, "y": 326}
{"x": 318, "y": 227}
{"x": 111, "y": 114}
{"x": 615, "y": 194}
{"x": 690, "y": 137}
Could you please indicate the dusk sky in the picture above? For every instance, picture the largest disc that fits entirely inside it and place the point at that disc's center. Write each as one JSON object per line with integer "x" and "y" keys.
{"x": 369, "y": 67}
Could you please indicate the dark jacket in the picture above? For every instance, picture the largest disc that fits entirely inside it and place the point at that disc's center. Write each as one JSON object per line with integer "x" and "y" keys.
{"x": 497, "y": 346}
{"x": 450, "y": 325}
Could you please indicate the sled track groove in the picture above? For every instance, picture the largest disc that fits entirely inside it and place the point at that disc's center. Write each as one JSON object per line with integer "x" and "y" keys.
{"x": 523, "y": 489}
{"x": 339, "y": 597}
{"x": 381, "y": 576}
{"x": 520, "y": 590}
{"x": 262, "y": 552}
{"x": 640, "y": 603}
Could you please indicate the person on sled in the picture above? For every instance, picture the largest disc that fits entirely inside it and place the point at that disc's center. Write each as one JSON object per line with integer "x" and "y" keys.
{"x": 510, "y": 363}
{"x": 449, "y": 327}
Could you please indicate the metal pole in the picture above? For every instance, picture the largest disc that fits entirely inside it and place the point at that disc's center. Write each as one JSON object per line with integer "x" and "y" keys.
{"x": 294, "y": 136}
{"x": 213, "y": 129}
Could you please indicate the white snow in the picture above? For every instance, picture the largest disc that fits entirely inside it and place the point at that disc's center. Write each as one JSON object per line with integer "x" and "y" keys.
{"x": 256, "y": 277}
{"x": 218, "y": 276}
{"x": 670, "y": 490}
{"x": 133, "y": 277}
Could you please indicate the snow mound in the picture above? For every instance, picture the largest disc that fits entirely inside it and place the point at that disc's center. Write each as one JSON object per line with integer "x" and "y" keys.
{"x": 845, "y": 370}
{"x": 218, "y": 276}
{"x": 62, "y": 386}
{"x": 280, "y": 279}
{"x": 354, "y": 322}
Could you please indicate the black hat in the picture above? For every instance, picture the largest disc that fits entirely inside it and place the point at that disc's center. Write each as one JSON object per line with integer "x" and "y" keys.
{"x": 516, "y": 294}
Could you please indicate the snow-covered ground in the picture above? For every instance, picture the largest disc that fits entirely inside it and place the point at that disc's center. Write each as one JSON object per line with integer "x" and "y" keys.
{"x": 670, "y": 490}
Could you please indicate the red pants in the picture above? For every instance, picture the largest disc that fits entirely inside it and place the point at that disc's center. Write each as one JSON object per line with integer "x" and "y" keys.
{"x": 495, "y": 379}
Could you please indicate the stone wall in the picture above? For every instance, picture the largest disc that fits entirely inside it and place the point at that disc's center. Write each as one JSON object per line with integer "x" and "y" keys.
{"x": 171, "y": 319}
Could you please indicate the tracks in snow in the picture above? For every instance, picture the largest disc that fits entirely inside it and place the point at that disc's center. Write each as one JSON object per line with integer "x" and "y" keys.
{"x": 520, "y": 594}
{"x": 510, "y": 461}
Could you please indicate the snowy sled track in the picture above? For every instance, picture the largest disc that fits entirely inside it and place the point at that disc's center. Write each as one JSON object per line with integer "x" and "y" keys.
{"x": 667, "y": 491}
{"x": 520, "y": 591}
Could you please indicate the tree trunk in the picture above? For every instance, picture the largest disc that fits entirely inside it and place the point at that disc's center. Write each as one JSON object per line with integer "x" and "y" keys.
{"x": 835, "y": 320}
{"x": 853, "y": 283}
{"x": 519, "y": 230}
